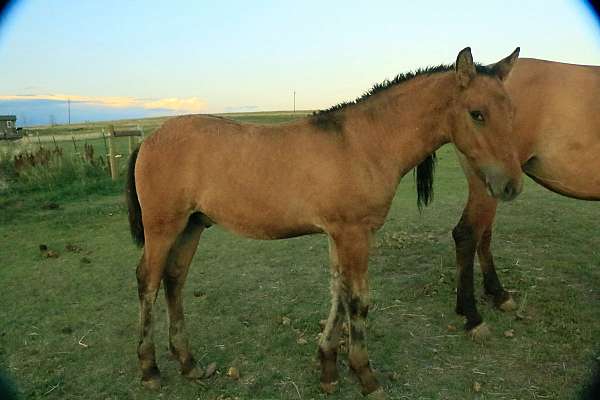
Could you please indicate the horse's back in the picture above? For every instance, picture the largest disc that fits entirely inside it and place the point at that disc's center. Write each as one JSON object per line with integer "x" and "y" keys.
{"x": 186, "y": 125}
{"x": 557, "y": 123}
{"x": 554, "y": 98}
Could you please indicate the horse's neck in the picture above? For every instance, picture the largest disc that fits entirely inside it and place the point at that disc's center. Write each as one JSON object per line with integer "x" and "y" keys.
{"x": 405, "y": 125}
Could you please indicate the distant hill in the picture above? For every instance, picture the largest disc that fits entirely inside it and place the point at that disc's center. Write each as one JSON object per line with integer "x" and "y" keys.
{"x": 47, "y": 112}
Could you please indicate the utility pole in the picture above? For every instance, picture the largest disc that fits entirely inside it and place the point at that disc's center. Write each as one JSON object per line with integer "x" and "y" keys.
{"x": 69, "y": 108}
{"x": 294, "y": 102}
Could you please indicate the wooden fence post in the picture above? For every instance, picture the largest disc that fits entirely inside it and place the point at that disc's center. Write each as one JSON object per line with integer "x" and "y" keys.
{"x": 130, "y": 144}
{"x": 140, "y": 138}
{"x": 112, "y": 160}
{"x": 105, "y": 145}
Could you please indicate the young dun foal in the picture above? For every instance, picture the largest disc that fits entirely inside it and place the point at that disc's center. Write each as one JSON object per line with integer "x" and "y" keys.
{"x": 334, "y": 173}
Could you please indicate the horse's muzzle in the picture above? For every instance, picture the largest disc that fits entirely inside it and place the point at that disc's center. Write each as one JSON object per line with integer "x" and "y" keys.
{"x": 500, "y": 185}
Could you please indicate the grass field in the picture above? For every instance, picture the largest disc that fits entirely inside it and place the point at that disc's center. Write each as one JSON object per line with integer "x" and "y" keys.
{"x": 68, "y": 325}
{"x": 91, "y": 133}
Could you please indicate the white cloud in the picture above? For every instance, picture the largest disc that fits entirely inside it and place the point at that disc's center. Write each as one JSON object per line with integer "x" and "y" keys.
{"x": 188, "y": 105}
{"x": 179, "y": 105}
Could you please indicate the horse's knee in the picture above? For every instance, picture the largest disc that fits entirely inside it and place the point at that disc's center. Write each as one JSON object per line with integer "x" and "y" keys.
{"x": 463, "y": 233}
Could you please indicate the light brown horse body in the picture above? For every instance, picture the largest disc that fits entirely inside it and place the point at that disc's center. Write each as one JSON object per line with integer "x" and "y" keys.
{"x": 557, "y": 136}
{"x": 334, "y": 173}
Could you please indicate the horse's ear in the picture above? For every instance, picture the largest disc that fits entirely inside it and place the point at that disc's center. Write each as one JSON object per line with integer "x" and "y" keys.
{"x": 465, "y": 68}
{"x": 503, "y": 67}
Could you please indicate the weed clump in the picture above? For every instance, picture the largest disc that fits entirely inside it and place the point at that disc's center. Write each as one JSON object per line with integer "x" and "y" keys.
{"x": 46, "y": 175}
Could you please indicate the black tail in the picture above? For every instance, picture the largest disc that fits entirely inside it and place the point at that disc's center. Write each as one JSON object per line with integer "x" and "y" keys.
{"x": 424, "y": 180}
{"x": 133, "y": 204}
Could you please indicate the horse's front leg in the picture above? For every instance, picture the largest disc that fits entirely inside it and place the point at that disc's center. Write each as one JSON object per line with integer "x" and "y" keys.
{"x": 491, "y": 283}
{"x": 352, "y": 253}
{"x": 477, "y": 216}
{"x": 328, "y": 345}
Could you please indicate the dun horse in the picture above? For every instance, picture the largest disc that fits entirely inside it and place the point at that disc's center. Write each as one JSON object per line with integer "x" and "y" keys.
{"x": 557, "y": 138}
{"x": 335, "y": 173}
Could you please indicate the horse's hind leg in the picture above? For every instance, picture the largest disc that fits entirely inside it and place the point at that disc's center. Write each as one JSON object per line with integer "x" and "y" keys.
{"x": 328, "y": 346}
{"x": 149, "y": 274}
{"x": 177, "y": 269}
{"x": 352, "y": 248}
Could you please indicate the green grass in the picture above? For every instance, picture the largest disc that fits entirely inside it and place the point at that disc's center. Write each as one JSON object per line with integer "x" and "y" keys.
{"x": 68, "y": 329}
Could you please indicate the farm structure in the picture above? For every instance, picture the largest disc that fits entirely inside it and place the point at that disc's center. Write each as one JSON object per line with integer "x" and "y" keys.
{"x": 8, "y": 129}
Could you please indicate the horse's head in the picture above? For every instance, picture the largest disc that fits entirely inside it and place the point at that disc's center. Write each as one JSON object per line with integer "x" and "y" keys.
{"x": 481, "y": 124}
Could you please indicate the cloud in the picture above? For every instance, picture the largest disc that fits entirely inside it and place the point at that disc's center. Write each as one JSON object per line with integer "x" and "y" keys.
{"x": 189, "y": 105}
{"x": 233, "y": 109}
{"x": 173, "y": 104}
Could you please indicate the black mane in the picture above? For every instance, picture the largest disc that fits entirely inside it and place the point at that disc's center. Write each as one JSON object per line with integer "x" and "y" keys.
{"x": 328, "y": 118}
{"x": 332, "y": 119}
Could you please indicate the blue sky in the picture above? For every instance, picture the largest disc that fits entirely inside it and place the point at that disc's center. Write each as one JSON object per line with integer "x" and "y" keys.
{"x": 119, "y": 59}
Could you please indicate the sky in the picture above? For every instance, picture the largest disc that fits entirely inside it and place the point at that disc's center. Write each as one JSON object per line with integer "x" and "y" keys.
{"x": 131, "y": 59}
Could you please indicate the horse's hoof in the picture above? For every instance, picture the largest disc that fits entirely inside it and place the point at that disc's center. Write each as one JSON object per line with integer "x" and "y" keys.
{"x": 194, "y": 374}
{"x": 480, "y": 332}
{"x": 378, "y": 394}
{"x": 508, "y": 305}
{"x": 152, "y": 383}
{"x": 328, "y": 387}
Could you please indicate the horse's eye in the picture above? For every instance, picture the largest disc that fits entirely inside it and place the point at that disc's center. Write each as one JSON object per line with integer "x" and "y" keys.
{"x": 477, "y": 116}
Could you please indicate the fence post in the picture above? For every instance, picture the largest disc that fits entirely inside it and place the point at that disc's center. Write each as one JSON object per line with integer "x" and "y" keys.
{"x": 130, "y": 144}
{"x": 112, "y": 161}
{"x": 74, "y": 145}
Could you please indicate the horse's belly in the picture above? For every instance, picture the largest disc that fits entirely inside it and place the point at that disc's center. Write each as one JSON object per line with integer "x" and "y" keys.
{"x": 259, "y": 217}
{"x": 569, "y": 168}
{"x": 265, "y": 229}
{"x": 265, "y": 232}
